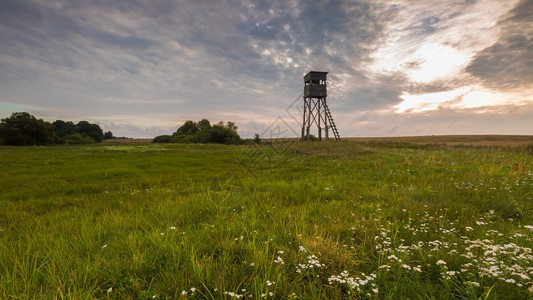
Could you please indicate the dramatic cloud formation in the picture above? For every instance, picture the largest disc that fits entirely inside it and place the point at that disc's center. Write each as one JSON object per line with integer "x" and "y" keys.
{"x": 140, "y": 68}
{"x": 506, "y": 65}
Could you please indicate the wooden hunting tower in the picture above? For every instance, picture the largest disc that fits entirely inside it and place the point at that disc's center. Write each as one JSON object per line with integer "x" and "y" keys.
{"x": 316, "y": 109}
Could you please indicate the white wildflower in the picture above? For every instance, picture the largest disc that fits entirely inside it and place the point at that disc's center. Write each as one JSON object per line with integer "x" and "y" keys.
{"x": 473, "y": 283}
{"x": 393, "y": 257}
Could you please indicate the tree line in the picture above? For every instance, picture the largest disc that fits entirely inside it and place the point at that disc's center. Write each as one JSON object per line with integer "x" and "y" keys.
{"x": 203, "y": 132}
{"x": 22, "y": 129}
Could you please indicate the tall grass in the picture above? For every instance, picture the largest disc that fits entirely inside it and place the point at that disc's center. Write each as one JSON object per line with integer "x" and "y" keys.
{"x": 320, "y": 221}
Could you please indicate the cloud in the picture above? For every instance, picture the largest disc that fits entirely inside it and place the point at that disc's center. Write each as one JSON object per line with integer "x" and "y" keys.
{"x": 507, "y": 64}
{"x": 443, "y": 121}
{"x": 170, "y": 61}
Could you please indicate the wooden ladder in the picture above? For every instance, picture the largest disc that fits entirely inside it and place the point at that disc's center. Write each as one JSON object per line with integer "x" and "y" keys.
{"x": 332, "y": 123}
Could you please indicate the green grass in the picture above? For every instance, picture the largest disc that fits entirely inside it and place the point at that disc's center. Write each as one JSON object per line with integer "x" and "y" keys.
{"x": 319, "y": 221}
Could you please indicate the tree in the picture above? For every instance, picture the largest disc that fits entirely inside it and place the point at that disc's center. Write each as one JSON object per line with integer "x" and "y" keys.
{"x": 91, "y": 130}
{"x": 188, "y": 128}
{"x": 204, "y": 132}
{"x": 108, "y": 135}
{"x": 63, "y": 129}
{"x": 21, "y": 128}
{"x": 257, "y": 138}
{"x": 203, "y": 124}
{"x": 10, "y": 135}
{"x": 231, "y": 126}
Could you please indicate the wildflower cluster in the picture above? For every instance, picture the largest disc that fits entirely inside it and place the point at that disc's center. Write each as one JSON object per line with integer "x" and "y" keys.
{"x": 312, "y": 262}
{"x": 459, "y": 258}
{"x": 356, "y": 283}
{"x": 508, "y": 262}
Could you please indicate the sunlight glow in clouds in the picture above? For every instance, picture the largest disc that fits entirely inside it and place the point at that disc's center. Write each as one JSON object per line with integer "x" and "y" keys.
{"x": 437, "y": 62}
{"x": 432, "y": 101}
{"x": 423, "y": 62}
{"x": 415, "y": 50}
{"x": 462, "y": 98}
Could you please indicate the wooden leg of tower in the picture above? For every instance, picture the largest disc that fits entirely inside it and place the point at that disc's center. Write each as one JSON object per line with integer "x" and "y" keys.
{"x": 319, "y": 113}
{"x": 309, "y": 100}
{"x": 326, "y": 125}
{"x": 303, "y": 121}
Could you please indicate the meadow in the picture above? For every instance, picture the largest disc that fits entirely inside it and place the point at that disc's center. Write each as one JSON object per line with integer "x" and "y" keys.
{"x": 290, "y": 220}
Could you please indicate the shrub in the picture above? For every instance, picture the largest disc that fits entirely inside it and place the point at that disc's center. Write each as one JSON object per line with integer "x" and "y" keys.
{"x": 257, "y": 138}
{"x": 21, "y": 128}
{"x": 204, "y": 132}
{"x": 162, "y": 139}
{"x": 77, "y": 138}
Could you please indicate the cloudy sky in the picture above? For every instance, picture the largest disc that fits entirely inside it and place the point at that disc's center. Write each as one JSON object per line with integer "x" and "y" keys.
{"x": 140, "y": 68}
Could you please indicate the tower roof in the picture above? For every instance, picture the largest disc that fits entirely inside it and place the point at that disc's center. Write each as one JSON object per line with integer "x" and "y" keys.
{"x": 315, "y": 72}
{"x": 315, "y": 75}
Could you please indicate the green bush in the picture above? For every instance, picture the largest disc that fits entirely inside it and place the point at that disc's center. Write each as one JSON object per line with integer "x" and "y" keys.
{"x": 162, "y": 139}
{"x": 21, "y": 128}
{"x": 204, "y": 132}
{"x": 77, "y": 138}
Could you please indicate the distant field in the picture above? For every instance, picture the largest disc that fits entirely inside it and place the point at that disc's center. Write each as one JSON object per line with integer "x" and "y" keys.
{"x": 450, "y": 140}
{"x": 476, "y": 140}
{"x": 359, "y": 219}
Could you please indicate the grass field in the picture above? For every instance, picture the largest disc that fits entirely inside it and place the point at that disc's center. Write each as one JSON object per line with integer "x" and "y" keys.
{"x": 349, "y": 220}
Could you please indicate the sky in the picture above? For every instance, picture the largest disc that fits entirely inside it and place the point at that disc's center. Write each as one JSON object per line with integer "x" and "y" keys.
{"x": 141, "y": 68}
